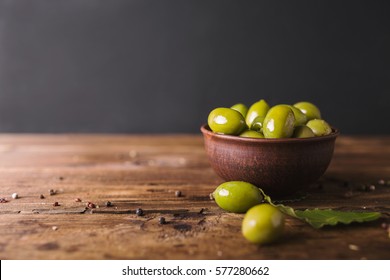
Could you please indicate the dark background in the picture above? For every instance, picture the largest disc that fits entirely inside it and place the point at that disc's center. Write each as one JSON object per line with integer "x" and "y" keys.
{"x": 161, "y": 66}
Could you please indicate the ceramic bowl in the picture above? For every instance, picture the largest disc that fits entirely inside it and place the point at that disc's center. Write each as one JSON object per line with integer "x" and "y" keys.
{"x": 281, "y": 167}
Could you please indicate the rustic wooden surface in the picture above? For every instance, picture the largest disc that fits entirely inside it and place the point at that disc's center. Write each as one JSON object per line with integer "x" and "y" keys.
{"x": 145, "y": 171}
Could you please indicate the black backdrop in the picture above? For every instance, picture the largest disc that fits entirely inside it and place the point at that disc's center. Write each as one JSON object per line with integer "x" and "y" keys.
{"x": 140, "y": 66}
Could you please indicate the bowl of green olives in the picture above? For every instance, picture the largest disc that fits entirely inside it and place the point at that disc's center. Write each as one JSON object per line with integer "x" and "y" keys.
{"x": 281, "y": 149}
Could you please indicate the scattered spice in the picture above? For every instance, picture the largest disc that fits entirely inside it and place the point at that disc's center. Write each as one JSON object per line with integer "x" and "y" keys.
{"x": 381, "y": 182}
{"x": 52, "y": 192}
{"x": 162, "y": 221}
{"x": 139, "y": 212}
{"x": 353, "y": 247}
{"x": 15, "y": 196}
{"x": 77, "y": 200}
{"x": 54, "y": 228}
{"x": 211, "y": 196}
{"x": 90, "y": 205}
{"x": 61, "y": 178}
{"x": 41, "y": 196}
{"x": 201, "y": 211}
{"x": 366, "y": 187}
{"x": 178, "y": 193}
{"x": 56, "y": 203}
{"x": 3, "y": 200}
{"x": 108, "y": 204}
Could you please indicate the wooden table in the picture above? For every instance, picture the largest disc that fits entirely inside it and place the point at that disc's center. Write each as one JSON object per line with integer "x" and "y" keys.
{"x": 133, "y": 171}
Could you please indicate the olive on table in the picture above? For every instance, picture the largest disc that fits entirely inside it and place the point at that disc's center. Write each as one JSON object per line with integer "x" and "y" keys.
{"x": 226, "y": 121}
{"x": 251, "y": 134}
{"x": 263, "y": 224}
{"x": 319, "y": 127}
{"x": 279, "y": 122}
{"x": 309, "y": 109}
{"x": 303, "y": 131}
{"x": 258, "y": 109}
{"x": 237, "y": 196}
{"x": 241, "y": 108}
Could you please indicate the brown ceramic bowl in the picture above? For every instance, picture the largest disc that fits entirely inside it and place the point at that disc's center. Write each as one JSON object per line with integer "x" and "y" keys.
{"x": 280, "y": 167}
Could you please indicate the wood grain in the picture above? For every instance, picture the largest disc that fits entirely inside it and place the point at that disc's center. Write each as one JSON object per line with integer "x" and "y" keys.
{"x": 145, "y": 171}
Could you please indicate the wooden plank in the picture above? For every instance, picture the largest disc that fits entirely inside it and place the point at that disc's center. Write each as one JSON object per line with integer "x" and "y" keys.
{"x": 145, "y": 171}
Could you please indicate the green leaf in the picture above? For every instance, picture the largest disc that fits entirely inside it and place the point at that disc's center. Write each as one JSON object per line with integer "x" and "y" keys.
{"x": 318, "y": 218}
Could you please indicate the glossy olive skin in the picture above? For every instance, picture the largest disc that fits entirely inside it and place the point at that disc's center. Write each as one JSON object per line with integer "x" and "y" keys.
{"x": 251, "y": 134}
{"x": 263, "y": 224}
{"x": 258, "y": 109}
{"x": 237, "y": 196}
{"x": 319, "y": 127}
{"x": 309, "y": 109}
{"x": 257, "y": 124}
{"x": 303, "y": 131}
{"x": 279, "y": 122}
{"x": 226, "y": 121}
{"x": 242, "y": 108}
{"x": 300, "y": 117}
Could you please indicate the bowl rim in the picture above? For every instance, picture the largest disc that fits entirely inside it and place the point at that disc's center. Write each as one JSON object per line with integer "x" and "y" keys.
{"x": 205, "y": 129}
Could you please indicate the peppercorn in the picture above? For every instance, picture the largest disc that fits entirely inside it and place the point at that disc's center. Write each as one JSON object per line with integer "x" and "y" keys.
{"x": 162, "y": 221}
{"x": 139, "y": 212}
{"x": 15, "y": 196}
{"x": 77, "y": 200}
{"x": 90, "y": 205}
{"x": 178, "y": 193}
{"x": 52, "y": 192}
{"x": 41, "y": 196}
{"x": 56, "y": 203}
{"x": 108, "y": 204}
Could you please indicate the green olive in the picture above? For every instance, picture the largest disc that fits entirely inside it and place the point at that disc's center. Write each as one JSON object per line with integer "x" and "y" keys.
{"x": 251, "y": 134}
{"x": 300, "y": 117}
{"x": 303, "y": 131}
{"x": 279, "y": 122}
{"x": 319, "y": 127}
{"x": 239, "y": 107}
{"x": 263, "y": 224}
{"x": 258, "y": 109}
{"x": 237, "y": 196}
{"x": 309, "y": 109}
{"x": 257, "y": 124}
{"x": 226, "y": 121}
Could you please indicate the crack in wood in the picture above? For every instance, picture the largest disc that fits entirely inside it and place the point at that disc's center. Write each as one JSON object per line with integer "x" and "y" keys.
{"x": 58, "y": 211}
